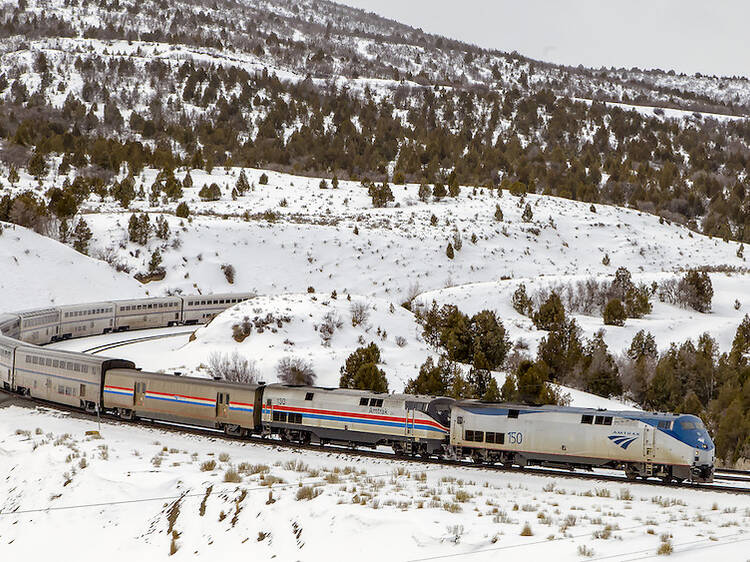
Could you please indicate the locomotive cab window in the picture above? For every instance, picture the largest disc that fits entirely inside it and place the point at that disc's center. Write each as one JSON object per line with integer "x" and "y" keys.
{"x": 513, "y": 413}
{"x": 309, "y": 396}
{"x": 376, "y": 402}
{"x": 603, "y": 420}
{"x": 665, "y": 424}
{"x": 587, "y": 418}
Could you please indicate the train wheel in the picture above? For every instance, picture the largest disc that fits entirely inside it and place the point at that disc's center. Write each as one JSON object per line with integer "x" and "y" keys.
{"x": 631, "y": 473}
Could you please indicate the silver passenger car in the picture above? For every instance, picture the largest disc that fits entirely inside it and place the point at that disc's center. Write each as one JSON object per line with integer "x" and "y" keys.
{"x": 199, "y": 309}
{"x": 62, "y": 376}
{"x": 10, "y": 325}
{"x": 39, "y": 326}
{"x": 82, "y": 320}
{"x": 7, "y": 356}
{"x": 139, "y": 314}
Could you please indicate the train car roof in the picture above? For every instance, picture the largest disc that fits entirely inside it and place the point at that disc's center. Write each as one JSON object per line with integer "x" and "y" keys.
{"x": 501, "y": 408}
{"x": 357, "y": 392}
{"x": 190, "y": 380}
{"x": 22, "y": 347}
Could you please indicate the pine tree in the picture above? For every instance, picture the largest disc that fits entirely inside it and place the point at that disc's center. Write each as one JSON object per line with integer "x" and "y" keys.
{"x": 13, "y": 175}
{"x": 438, "y": 192}
{"x": 182, "y": 211}
{"x": 424, "y": 192}
{"x": 154, "y": 264}
{"x": 81, "y": 237}
{"x": 527, "y": 213}
{"x": 449, "y": 251}
{"x": 187, "y": 180}
{"x": 242, "y": 185}
{"x": 498, "y": 213}
{"x": 37, "y": 166}
{"x": 335, "y": 182}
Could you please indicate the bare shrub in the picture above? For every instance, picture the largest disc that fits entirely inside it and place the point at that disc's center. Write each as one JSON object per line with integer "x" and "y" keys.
{"x": 293, "y": 370}
{"x": 360, "y": 313}
{"x": 232, "y": 368}
{"x": 241, "y": 331}
{"x": 331, "y": 323}
{"x": 229, "y": 272}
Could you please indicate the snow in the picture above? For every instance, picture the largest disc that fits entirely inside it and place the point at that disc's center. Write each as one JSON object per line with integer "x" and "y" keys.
{"x": 38, "y": 271}
{"x": 372, "y": 509}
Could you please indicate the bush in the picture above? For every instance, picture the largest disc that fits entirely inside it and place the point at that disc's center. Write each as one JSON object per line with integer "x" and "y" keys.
{"x": 228, "y": 273}
{"x": 182, "y": 211}
{"x": 614, "y": 313}
{"x": 263, "y": 179}
{"x": 527, "y": 215}
{"x": 361, "y": 371}
{"x": 424, "y": 193}
{"x": 551, "y": 314}
{"x": 521, "y": 301}
{"x": 293, "y": 370}
{"x": 208, "y": 466}
{"x": 231, "y": 368}
{"x": 328, "y": 327}
{"x": 231, "y": 475}
{"x": 696, "y": 291}
{"x": 210, "y": 193}
{"x": 360, "y": 313}
{"x": 381, "y": 195}
{"x": 307, "y": 493}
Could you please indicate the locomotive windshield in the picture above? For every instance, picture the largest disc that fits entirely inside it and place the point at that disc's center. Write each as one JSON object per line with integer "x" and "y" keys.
{"x": 440, "y": 410}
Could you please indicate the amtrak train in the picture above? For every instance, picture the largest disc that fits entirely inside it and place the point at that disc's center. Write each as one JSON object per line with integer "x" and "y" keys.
{"x": 672, "y": 447}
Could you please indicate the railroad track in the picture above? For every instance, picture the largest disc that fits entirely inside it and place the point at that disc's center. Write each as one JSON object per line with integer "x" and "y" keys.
{"x": 114, "y": 345}
{"x": 278, "y": 443}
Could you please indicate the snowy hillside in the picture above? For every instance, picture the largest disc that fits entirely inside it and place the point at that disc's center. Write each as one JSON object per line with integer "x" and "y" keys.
{"x": 152, "y": 494}
{"x": 36, "y": 271}
{"x": 667, "y": 322}
{"x": 289, "y": 235}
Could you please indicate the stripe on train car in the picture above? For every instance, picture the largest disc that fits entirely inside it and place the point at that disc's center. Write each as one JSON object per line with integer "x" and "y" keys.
{"x": 356, "y": 417}
{"x": 118, "y": 390}
{"x": 181, "y": 398}
{"x": 240, "y": 407}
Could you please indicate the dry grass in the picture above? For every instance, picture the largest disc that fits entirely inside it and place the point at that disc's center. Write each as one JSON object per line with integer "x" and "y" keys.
{"x": 208, "y": 466}
{"x": 526, "y": 531}
{"x": 231, "y": 475}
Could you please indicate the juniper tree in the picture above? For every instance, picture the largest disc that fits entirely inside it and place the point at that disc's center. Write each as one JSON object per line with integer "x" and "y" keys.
{"x": 81, "y": 237}
{"x": 242, "y": 185}
{"x": 527, "y": 213}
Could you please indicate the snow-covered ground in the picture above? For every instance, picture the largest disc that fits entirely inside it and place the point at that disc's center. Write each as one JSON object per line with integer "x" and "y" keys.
{"x": 151, "y": 494}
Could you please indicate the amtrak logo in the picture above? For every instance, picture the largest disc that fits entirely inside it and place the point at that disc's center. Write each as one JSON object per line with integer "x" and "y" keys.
{"x": 622, "y": 440}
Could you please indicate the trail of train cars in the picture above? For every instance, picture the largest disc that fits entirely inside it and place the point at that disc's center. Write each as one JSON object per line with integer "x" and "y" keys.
{"x": 643, "y": 445}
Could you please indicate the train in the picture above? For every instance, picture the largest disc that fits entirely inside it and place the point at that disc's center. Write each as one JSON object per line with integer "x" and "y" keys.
{"x": 672, "y": 447}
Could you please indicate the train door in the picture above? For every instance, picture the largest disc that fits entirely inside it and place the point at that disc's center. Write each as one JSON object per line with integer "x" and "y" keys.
{"x": 139, "y": 394}
{"x": 222, "y": 404}
{"x": 648, "y": 442}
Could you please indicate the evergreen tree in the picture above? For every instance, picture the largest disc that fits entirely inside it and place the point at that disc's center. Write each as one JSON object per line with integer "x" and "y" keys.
{"x": 210, "y": 193}
{"x": 37, "y": 166}
{"x": 263, "y": 180}
{"x": 527, "y": 215}
{"x": 449, "y": 251}
{"x": 13, "y": 175}
{"x": 81, "y": 237}
{"x": 381, "y": 195}
{"x": 154, "y": 264}
{"x": 361, "y": 370}
{"x": 521, "y": 301}
{"x": 242, "y": 186}
{"x": 182, "y": 210}
{"x": 187, "y": 181}
{"x": 498, "y": 213}
{"x": 424, "y": 192}
{"x": 438, "y": 192}
{"x": 614, "y": 313}
{"x": 551, "y": 314}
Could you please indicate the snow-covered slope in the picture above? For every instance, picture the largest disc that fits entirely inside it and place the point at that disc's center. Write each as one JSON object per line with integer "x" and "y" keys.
{"x": 289, "y": 235}
{"x": 141, "y": 493}
{"x": 36, "y": 271}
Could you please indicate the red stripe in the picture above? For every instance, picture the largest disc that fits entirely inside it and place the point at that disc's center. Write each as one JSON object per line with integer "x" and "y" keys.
{"x": 172, "y": 394}
{"x": 421, "y": 421}
{"x": 241, "y": 404}
{"x": 119, "y": 388}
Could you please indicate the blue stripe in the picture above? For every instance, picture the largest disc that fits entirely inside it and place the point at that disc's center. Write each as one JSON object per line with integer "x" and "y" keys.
{"x": 241, "y": 409}
{"x": 179, "y": 401}
{"x": 122, "y": 393}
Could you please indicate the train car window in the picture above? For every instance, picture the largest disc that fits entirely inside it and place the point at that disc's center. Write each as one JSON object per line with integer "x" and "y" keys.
{"x": 512, "y": 413}
{"x": 603, "y": 420}
{"x": 279, "y": 416}
{"x": 49, "y": 362}
{"x": 70, "y": 365}
{"x": 479, "y": 436}
{"x": 376, "y": 402}
{"x": 55, "y": 363}
{"x": 295, "y": 418}
{"x": 60, "y": 389}
{"x": 608, "y": 420}
{"x": 363, "y": 401}
{"x": 587, "y": 418}
{"x": 469, "y": 435}
{"x": 83, "y": 390}
{"x": 309, "y": 396}
{"x": 490, "y": 438}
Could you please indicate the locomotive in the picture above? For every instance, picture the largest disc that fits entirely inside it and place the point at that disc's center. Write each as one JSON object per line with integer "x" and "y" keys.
{"x": 672, "y": 447}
